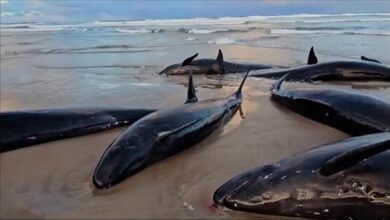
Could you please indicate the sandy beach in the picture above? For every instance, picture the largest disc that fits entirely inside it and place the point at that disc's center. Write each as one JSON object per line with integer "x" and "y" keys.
{"x": 53, "y": 180}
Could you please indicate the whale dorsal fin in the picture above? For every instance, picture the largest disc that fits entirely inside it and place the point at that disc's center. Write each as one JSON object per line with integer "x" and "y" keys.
{"x": 312, "y": 59}
{"x": 217, "y": 66}
{"x": 351, "y": 158}
{"x": 369, "y": 59}
{"x": 238, "y": 92}
{"x": 189, "y": 59}
{"x": 191, "y": 93}
{"x": 219, "y": 58}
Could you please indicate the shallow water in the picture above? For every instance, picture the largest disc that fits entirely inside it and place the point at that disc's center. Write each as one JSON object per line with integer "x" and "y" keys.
{"x": 106, "y": 68}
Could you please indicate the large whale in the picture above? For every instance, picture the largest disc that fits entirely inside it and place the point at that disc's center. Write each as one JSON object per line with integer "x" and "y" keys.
{"x": 367, "y": 69}
{"x": 210, "y": 66}
{"x": 347, "y": 180}
{"x": 351, "y": 112}
{"x": 24, "y": 128}
{"x": 162, "y": 134}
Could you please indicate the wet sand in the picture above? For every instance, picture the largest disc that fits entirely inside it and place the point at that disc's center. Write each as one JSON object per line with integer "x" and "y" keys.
{"x": 53, "y": 180}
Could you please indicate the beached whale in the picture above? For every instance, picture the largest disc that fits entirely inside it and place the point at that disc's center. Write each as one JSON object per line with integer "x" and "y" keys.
{"x": 24, "y": 128}
{"x": 162, "y": 134}
{"x": 349, "y": 179}
{"x": 312, "y": 58}
{"x": 367, "y": 69}
{"x": 351, "y": 112}
{"x": 210, "y": 66}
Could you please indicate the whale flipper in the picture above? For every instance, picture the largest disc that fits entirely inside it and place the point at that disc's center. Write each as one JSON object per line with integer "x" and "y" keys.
{"x": 312, "y": 59}
{"x": 369, "y": 59}
{"x": 276, "y": 86}
{"x": 351, "y": 158}
{"x": 189, "y": 59}
{"x": 191, "y": 93}
{"x": 162, "y": 136}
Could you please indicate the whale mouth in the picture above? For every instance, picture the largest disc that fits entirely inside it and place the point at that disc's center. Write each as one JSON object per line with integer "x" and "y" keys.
{"x": 223, "y": 196}
{"x": 99, "y": 184}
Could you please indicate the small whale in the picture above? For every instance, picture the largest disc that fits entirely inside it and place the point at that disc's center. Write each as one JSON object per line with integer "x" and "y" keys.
{"x": 210, "y": 66}
{"x": 164, "y": 133}
{"x": 347, "y": 180}
{"x": 351, "y": 112}
{"x": 20, "y": 129}
{"x": 367, "y": 69}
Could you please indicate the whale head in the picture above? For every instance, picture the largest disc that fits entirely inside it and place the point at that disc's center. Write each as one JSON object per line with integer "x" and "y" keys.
{"x": 124, "y": 157}
{"x": 272, "y": 190}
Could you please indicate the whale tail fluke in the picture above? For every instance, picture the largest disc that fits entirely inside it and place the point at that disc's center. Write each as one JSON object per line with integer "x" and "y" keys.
{"x": 191, "y": 93}
{"x": 312, "y": 59}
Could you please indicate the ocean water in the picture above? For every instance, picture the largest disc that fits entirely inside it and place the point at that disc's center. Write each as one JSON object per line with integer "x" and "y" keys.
{"x": 115, "y": 63}
{"x": 79, "y": 58}
{"x": 344, "y": 35}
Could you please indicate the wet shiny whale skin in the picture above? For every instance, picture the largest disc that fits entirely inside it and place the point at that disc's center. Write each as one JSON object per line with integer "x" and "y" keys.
{"x": 20, "y": 129}
{"x": 367, "y": 69}
{"x": 295, "y": 187}
{"x": 162, "y": 134}
{"x": 335, "y": 70}
{"x": 351, "y": 112}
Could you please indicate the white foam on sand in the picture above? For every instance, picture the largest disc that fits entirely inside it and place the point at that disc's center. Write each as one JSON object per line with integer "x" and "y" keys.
{"x": 223, "y": 40}
{"x": 205, "y": 31}
{"x": 192, "y": 38}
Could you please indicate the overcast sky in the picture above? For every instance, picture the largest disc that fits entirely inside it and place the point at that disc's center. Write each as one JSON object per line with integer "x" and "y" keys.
{"x": 65, "y": 11}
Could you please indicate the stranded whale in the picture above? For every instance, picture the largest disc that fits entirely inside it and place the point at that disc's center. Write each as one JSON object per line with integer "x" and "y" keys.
{"x": 351, "y": 112}
{"x": 210, "y": 66}
{"x": 162, "y": 134}
{"x": 24, "y": 128}
{"x": 347, "y": 180}
{"x": 367, "y": 69}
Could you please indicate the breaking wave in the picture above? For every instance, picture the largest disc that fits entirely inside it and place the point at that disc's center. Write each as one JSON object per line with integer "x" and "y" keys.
{"x": 330, "y": 31}
{"x": 139, "y": 31}
{"x": 132, "y": 24}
